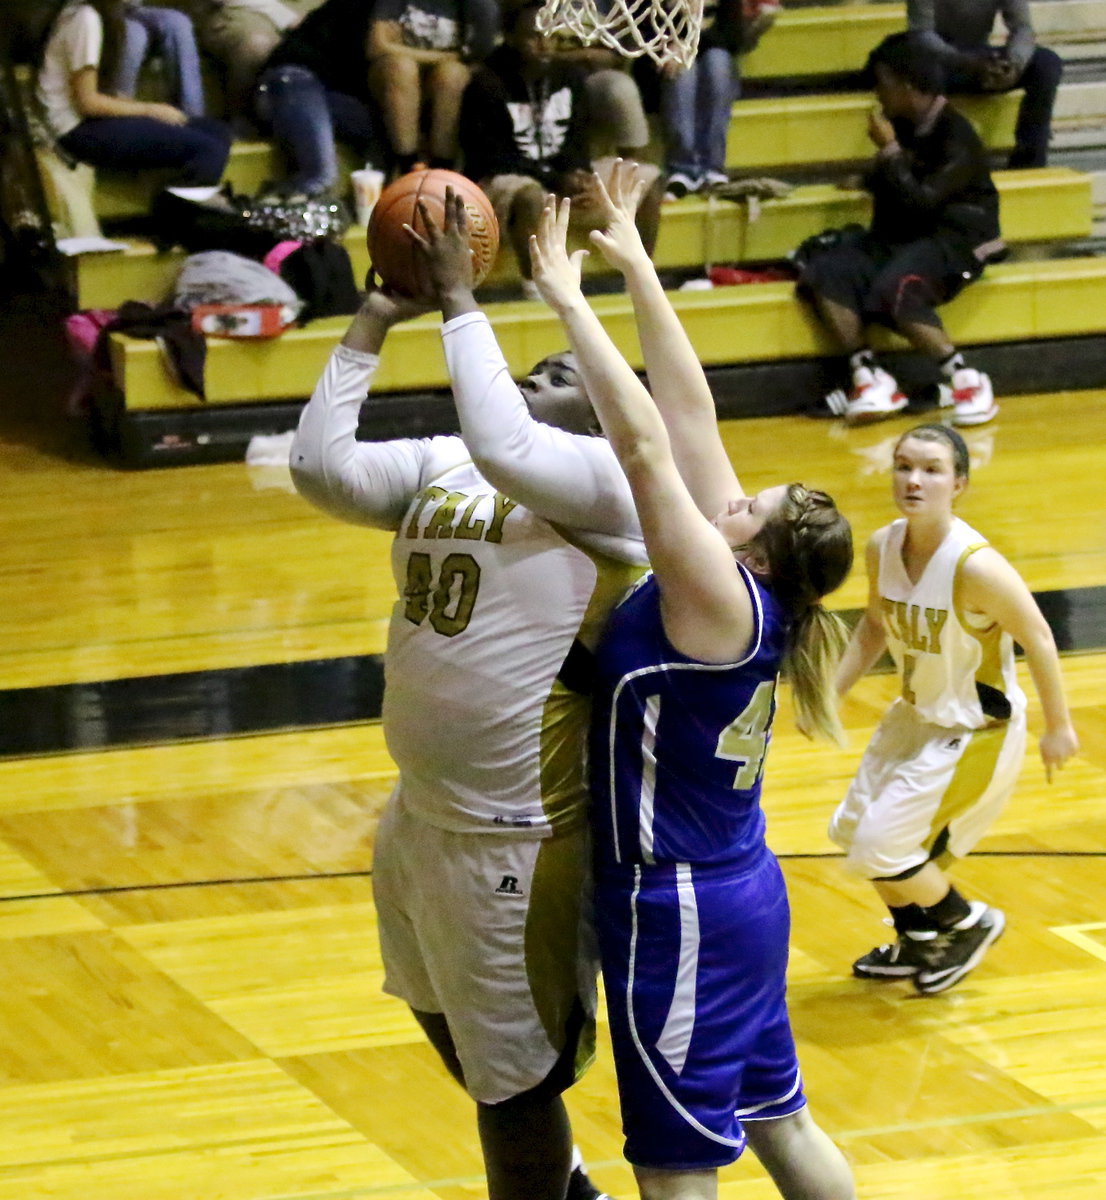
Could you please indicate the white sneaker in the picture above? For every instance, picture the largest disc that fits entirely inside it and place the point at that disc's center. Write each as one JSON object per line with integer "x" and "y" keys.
{"x": 973, "y": 398}
{"x": 714, "y": 179}
{"x": 875, "y": 396}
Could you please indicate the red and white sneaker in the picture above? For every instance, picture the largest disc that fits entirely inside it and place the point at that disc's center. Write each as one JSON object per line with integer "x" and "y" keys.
{"x": 875, "y": 397}
{"x": 973, "y": 398}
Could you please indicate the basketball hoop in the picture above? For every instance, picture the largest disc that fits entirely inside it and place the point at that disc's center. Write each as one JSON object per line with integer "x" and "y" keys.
{"x": 667, "y": 31}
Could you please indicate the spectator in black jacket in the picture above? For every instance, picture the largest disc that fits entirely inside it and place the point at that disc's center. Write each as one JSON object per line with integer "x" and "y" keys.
{"x": 959, "y": 32}
{"x": 934, "y": 226}
{"x": 525, "y": 131}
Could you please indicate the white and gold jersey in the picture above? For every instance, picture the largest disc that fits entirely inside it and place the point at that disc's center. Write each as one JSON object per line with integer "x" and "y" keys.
{"x": 957, "y": 670}
{"x": 491, "y": 600}
{"x": 497, "y": 595}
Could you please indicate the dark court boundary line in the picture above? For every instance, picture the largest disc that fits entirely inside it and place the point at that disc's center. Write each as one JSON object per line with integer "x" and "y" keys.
{"x": 326, "y": 876}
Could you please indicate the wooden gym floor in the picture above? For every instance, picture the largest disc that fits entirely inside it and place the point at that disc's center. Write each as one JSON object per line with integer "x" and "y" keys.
{"x": 189, "y": 787}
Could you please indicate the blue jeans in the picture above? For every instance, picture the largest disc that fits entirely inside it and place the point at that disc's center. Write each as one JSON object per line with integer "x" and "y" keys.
{"x": 305, "y": 119}
{"x": 695, "y": 110}
{"x": 168, "y": 34}
{"x": 197, "y": 152}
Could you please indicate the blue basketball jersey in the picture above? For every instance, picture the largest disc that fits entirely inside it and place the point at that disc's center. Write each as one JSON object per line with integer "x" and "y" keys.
{"x": 677, "y": 746}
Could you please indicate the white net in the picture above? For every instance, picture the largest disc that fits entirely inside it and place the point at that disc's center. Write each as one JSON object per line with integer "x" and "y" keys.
{"x": 665, "y": 30}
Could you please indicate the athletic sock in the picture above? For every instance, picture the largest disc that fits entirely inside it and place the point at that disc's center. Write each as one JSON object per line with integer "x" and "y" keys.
{"x": 909, "y": 918}
{"x": 948, "y": 912}
{"x": 862, "y": 358}
{"x": 952, "y": 364}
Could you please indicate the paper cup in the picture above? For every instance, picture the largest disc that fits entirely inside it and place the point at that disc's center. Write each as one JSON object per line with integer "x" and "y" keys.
{"x": 367, "y": 185}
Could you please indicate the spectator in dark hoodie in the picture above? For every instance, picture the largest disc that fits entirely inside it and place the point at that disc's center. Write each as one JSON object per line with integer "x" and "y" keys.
{"x": 526, "y": 125}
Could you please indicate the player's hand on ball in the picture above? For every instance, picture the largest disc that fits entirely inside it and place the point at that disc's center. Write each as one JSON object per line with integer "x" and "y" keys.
{"x": 446, "y": 251}
{"x": 387, "y": 306}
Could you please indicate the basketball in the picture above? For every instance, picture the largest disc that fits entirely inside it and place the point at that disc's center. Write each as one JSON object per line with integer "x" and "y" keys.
{"x": 396, "y": 258}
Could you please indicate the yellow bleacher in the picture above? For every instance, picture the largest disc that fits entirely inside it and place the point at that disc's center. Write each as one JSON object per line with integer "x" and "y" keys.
{"x": 1045, "y": 205}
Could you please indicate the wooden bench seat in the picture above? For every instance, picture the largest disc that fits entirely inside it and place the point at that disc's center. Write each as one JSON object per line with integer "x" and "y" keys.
{"x": 1046, "y": 205}
{"x": 760, "y": 322}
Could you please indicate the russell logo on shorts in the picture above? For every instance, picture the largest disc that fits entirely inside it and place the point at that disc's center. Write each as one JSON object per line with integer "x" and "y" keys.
{"x": 508, "y": 886}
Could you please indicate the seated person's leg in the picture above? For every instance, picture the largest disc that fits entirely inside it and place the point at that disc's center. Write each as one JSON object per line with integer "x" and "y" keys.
{"x": 446, "y": 82}
{"x": 357, "y": 125}
{"x": 619, "y": 124}
{"x": 1041, "y": 80}
{"x": 139, "y": 143}
{"x": 174, "y": 38}
{"x": 136, "y": 45}
{"x": 518, "y": 201}
{"x": 240, "y": 40}
{"x": 716, "y": 100}
{"x": 293, "y": 102}
{"x": 679, "y": 101}
{"x": 396, "y": 86}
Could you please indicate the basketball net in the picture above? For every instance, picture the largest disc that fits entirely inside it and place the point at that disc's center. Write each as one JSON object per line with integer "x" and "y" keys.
{"x": 667, "y": 31}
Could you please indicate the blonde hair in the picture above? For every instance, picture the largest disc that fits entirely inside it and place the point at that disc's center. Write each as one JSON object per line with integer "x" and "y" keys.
{"x": 807, "y": 545}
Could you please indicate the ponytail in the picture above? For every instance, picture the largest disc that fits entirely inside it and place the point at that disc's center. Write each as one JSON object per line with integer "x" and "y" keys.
{"x": 808, "y": 548}
{"x": 818, "y": 639}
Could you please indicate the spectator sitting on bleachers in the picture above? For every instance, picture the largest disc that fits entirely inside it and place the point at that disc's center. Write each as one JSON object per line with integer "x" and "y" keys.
{"x": 315, "y": 88}
{"x": 420, "y": 53}
{"x": 150, "y": 30}
{"x": 76, "y": 85}
{"x": 240, "y": 35}
{"x": 696, "y": 103}
{"x": 934, "y": 226}
{"x": 525, "y": 131}
{"x": 619, "y": 125}
{"x": 959, "y": 32}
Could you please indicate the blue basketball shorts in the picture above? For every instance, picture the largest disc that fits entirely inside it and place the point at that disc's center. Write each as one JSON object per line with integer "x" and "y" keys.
{"x": 694, "y": 966}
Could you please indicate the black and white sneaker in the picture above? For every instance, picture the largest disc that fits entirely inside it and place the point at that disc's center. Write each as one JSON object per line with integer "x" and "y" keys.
{"x": 680, "y": 185}
{"x": 580, "y": 1187}
{"x": 958, "y": 950}
{"x": 900, "y": 959}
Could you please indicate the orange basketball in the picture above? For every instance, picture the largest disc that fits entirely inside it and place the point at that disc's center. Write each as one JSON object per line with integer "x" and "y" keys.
{"x": 397, "y": 259}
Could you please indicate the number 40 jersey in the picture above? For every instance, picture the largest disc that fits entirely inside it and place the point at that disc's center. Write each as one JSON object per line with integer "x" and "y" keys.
{"x": 481, "y": 714}
{"x": 677, "y": 746}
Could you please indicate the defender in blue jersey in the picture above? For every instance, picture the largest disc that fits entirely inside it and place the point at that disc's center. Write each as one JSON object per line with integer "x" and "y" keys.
{"x": 691, "y": 907}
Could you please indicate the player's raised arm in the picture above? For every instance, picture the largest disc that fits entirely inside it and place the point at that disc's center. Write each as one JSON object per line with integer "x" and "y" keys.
{"x": 706, "y": 606}
{"x": 676, "y": 376}
{"x": 367, "y": 483}
{"x": 541, "y": 455}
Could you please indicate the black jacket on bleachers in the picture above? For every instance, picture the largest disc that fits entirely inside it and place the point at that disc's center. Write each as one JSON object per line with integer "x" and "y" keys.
{"x": 939, "y": 185}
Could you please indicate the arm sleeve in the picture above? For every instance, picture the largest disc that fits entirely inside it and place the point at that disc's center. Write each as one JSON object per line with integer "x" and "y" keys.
{"x": 567, "y": 478}
{"x": 85, "y": 39}
{"x": 1020, "y": 39}
{"x": 366, "y": 483}
{"x": 921, "y": 17}
{"x": 929, "y": 194}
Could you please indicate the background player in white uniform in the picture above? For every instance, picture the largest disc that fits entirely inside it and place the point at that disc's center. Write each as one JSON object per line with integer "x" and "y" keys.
{"x": 945, "y": 757}
{"x": 695, "y": 952}
{"x": 481, "y": 864}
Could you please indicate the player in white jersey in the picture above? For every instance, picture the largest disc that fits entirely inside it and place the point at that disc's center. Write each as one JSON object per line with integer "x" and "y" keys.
{"x": 481, "y": 864}
{"x": 946, "y": 756}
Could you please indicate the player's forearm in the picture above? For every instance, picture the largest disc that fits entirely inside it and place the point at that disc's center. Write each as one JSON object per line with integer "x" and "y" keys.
{"x": 1044, "y": 668}
{"x": 865, "y": 646}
